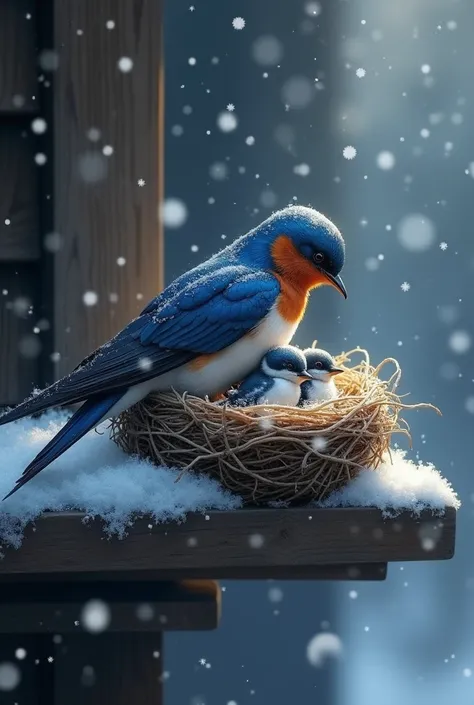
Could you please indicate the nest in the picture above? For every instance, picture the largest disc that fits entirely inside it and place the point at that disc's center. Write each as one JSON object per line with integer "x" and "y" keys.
{"x": 273, "y": 453}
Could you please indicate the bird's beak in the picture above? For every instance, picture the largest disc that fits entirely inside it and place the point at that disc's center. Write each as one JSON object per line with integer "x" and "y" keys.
{"x": 304, "y": 375}
{"x": 336, "y": 282}
{"x": 335, "y": 371}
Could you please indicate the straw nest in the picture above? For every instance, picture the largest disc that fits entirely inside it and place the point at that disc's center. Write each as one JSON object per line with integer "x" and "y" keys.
{"x": 273, "y": 453}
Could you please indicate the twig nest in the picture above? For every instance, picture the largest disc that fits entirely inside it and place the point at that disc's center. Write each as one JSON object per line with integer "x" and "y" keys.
{"x": 272, "y": 453}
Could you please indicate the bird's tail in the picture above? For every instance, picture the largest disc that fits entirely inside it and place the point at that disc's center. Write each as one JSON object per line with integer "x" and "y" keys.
{"x": 85, "y": 418}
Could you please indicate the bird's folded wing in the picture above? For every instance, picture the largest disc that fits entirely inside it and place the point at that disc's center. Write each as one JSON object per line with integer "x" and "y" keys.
{"x": 207, "y": 315}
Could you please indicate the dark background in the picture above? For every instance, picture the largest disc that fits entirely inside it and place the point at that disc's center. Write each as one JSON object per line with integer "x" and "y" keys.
{"x": 415, "y": 101}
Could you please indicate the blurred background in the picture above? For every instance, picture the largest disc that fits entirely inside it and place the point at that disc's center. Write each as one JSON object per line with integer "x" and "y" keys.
{"x": 363, "y": 110}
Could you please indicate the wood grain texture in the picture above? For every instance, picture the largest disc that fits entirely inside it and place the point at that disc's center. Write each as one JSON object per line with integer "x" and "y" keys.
{"x": 98, "y": 669}
{"x": 101, "y": 211}
{"x": 18, "y": 61}
{"x": 18, "y": 374}
{"x": 288, "y": 539}
{"x": 56, "y": 607}
{"x": 20, "y": 237}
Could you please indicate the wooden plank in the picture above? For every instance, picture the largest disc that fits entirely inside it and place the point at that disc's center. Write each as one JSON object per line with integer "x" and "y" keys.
{"x": 234, "y": 541}
{"x": 33, "y": 680}
{"x": 19, "y": 216}
{"x": 101, "y": 211}
{"x": 18, "y": 354}
{"x": 349, "y": 571}
{"x": 120, "y": 669}
{"x": 56, "y": 607}
{"x": 18, "y": 61}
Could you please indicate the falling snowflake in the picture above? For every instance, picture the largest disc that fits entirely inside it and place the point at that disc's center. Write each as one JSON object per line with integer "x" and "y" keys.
{"x": 349, "y": 152}
{"x": 192, "y": 61}
{"x": 250, "y": 140}
{"x": 443, "y": 246}
{"x": 125, "y": 64}
{"x": 385, "y": 160}
{"x": 191, "y": 8}
{"x": 227, "y": 121}
{"x": 230, "y": 107}
{"x": 426, "y": 68}
{"x": 110, "y": 24}
{"x": 360, "y": 73}
{"x": 238, "y": 23}
{"x": 90, "y": 298}
{"x": 141, "y": 182}
{"x": 405, "y": 286}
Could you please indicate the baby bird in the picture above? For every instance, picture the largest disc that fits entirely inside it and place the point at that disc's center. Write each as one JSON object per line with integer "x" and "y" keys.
{"x": 277, "y": 380}
{"x": 322, "y": 368}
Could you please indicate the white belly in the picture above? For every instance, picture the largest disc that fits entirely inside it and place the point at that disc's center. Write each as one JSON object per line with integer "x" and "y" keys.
{"x": 321, "y": 391}
{"x": 234, "y": 363}
{"x": 283, "y": 393}
{"x": 229, "y": 367}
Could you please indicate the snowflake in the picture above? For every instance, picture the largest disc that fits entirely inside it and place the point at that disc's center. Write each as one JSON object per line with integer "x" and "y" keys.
{"x": 360, "y": 73}
{"x": 141, "y": 182}
{"x": 191, "y": 8}
{"x": 238, "y": 23}
{"x": 202, "y": 661}
{"x": 349, "y": 152}
{"x": 230, "y": 107}
{"x": 50, "y": 659}
{"x": 443, "y": 246}
{"x": 405, "y": 286}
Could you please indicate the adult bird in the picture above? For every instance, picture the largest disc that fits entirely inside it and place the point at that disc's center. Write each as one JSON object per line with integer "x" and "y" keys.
{"x": 322, "y": 369}
{"x": 277, "y": 380}
{"x": 205, "y": 331}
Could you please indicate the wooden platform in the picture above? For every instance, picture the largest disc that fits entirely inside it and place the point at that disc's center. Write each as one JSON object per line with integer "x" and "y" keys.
{"x": 353, "y": 543}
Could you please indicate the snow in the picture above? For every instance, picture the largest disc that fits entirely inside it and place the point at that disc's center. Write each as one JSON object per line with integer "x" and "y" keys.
{"x": 173, "y": 213}
{"x": 397, "y": 484}
{"x": 97, "y": 478}
{"x": 349, "y": 152}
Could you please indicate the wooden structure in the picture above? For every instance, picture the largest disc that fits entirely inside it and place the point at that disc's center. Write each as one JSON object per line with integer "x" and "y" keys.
{"x": 160, "y": 578}
{"x": 80, "y": 179}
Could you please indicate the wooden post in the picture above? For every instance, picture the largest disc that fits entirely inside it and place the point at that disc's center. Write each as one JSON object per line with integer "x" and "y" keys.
{"x": 65, "y": 664}
{"x": 108, "y": 156}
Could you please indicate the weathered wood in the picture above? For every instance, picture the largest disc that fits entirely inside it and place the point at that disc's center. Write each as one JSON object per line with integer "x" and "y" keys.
{"x": 101, "y": 210}
{"x": 19, "y": 217}
{"x": 33, "y": 683}
{"x": 120, "y": 669}
{"x": 236, "y": 542}
{"x": 55, "y": 607}
{"x": 18, "y": 61}
{"x": 354, "y": 571}
{"x": 18, "y": 373}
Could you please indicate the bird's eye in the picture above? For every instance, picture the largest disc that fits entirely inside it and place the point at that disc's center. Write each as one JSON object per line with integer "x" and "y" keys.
{"x": 290, "y": 366}
{"x": 318, "y": 257}
{"x": 319, "y": 365}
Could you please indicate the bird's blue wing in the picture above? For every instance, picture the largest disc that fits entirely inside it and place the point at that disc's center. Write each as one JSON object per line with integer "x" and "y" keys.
{"x": 209, "y": 313}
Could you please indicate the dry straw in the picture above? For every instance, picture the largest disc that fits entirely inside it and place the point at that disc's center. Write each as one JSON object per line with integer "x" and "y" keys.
{"x": 273, "y": 453}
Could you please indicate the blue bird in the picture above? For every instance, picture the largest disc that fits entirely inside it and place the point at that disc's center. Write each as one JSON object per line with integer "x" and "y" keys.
{"x": 205, "y": 331}
{"x": 277, "y": 381}
{"x": 322, "y": 368}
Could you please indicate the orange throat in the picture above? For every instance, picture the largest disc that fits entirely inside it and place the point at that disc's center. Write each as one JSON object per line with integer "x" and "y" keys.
{"x": 297, "y": 277}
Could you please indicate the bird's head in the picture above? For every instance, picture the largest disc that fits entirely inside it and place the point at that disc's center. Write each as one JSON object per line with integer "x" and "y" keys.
{"x": 302, "y": 246}
{"x": 321, "y": 365}
{"x": 286, "y": 362}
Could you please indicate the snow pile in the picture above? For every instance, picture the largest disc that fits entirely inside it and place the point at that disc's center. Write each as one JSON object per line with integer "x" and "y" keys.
{"x": 398, "y": 484}
{"x": 95, "y": 477}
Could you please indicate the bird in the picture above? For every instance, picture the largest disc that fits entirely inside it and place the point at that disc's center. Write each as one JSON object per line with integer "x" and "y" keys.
{"x": 322, "y": 369}
{"x": 204, "y": 332}
{"x": 276, "y": 381}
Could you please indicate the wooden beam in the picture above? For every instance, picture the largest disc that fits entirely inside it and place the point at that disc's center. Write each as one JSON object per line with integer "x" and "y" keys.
{"x": 19, "y": 216}
{"x": 18, "y": 61}
{"x": 234, "y": 544}
{"x": 105, "y": 205}
{"x": 20, "y": 347}
{"x": 120, "y": 669}
{"x": 56, "y": 607}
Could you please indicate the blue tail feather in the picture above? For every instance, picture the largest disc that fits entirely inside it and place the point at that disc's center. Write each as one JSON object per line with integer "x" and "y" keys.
{"x": 84, "y": 419}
